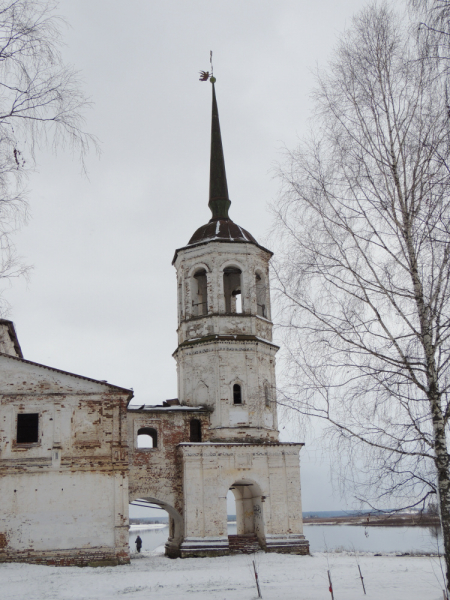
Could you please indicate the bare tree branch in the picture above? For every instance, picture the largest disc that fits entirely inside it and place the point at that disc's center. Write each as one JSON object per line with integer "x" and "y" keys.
{"x": 363, "y": 268}
{"x": 41, "y": 102}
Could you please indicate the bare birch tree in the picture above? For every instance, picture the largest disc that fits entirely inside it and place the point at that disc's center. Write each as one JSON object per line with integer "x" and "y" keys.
{"x": 363, "y": 271}
{"x": 41, "y": 103}
{"x": 433, "y": 29}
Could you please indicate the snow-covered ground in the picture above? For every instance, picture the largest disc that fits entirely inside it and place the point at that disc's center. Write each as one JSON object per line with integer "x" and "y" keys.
{"x": 282, "y": 577}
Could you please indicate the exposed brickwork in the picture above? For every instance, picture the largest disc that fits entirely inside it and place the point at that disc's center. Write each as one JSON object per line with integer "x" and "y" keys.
{"x": 300, "y": 550}
{"x": 75, "y": 558}
{"x": 203, "y": 553}
{"x": 243, "y": 544}
{"x": 157, "y": 472}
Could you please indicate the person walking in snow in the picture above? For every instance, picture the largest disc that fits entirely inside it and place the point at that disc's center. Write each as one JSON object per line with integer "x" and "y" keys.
{"x": 138, "y": 543}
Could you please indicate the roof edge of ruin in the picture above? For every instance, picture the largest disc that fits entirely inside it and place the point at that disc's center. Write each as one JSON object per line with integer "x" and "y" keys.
{"x": 100, "y": 382}
{"x": 169, "y": 409}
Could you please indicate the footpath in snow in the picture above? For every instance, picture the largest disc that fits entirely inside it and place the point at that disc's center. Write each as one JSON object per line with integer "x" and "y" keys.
{"x": 282, "y": 577}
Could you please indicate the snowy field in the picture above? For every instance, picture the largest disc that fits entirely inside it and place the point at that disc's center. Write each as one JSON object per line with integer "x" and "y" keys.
{"x": 282, "y": 577}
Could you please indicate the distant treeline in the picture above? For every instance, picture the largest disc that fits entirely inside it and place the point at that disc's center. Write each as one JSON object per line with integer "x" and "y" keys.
{"x": 320, "y": 514}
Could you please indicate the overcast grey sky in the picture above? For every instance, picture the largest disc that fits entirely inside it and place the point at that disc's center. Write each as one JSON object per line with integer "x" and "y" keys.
{"x": 101, "y": 301}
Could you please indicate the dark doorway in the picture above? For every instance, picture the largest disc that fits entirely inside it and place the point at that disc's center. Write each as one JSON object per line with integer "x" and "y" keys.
{"x": 195, "y": 434}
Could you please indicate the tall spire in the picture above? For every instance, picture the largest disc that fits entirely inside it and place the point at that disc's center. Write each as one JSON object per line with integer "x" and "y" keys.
{"x": 219, "y": 203}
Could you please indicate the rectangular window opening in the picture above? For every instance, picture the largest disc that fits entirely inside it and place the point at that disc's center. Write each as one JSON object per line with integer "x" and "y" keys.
{"x": 27, "y": 428}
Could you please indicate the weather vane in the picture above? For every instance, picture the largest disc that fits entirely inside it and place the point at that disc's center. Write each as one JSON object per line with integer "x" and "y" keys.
{"x": 205, "y": 75}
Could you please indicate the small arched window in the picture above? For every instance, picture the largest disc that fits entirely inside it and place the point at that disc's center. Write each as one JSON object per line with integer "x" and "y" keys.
{"x": 267, "y": 395}
{"x": 232, "y": 290}
{"x": 261, "y": 309}
{"x": 147, "y": 437}
{"x": 200, "y": 294}
{"x": 195, "y": 433}
{"x": 237, "y": 394}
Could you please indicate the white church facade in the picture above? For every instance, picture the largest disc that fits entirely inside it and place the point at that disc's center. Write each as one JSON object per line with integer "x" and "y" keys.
{"x": 70, "y": 461}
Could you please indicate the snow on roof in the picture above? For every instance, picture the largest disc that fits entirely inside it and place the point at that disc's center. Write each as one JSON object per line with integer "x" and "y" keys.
{"x": 237, "y": 443}
{"x": 160, "y": 407}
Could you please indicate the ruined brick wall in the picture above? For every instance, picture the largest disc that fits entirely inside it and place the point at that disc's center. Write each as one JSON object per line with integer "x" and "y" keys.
{"x": 157, "y": 472}
{"x": 65, "y": 496}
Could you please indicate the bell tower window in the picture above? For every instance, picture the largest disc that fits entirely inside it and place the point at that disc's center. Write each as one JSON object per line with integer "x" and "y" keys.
{"x": 200, "y": 295}
{"x": 260, "y": 296}
{"x": 232, "y": 290}
{"x": 237, "y": 394}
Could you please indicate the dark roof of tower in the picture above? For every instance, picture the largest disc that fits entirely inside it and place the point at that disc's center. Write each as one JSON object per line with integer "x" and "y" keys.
{"x": 220, "y": 228}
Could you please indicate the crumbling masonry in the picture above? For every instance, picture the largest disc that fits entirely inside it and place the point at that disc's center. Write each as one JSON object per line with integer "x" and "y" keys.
{"x": 71, "y": 451}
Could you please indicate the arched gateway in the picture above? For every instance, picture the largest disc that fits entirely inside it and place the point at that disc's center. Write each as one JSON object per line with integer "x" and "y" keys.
{"x": 222, "y": 432}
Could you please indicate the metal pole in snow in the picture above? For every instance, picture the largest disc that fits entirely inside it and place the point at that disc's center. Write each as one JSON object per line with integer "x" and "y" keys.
{"x": 362, "y": 579}
{"x": 256, "y": 579}
{"x": 331, "y": 586}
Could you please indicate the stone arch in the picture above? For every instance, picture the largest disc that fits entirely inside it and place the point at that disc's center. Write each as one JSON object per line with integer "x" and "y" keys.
{"x": 198, "y": 266}
{"x": 233, "y": 286}
{"x": 232, "y": 262}
{"x": 176, "y": 524}
{"x": 250, "y": 497}
{"x": 198, "y": 285}
{"x": 149, "y": 432}
{"x": 261, "y": 289}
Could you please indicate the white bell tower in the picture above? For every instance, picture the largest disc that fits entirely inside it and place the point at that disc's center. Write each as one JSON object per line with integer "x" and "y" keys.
{"x": 226, "y": 361}
{"x": 225, "y": 355}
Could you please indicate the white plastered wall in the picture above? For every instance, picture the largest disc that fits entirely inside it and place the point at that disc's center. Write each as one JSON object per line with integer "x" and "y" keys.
{"x": 209, "y": 472}
{"x": 63, "y": 511}
{"x": 218, "y": 366}
{"x": 68, "y": 491}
